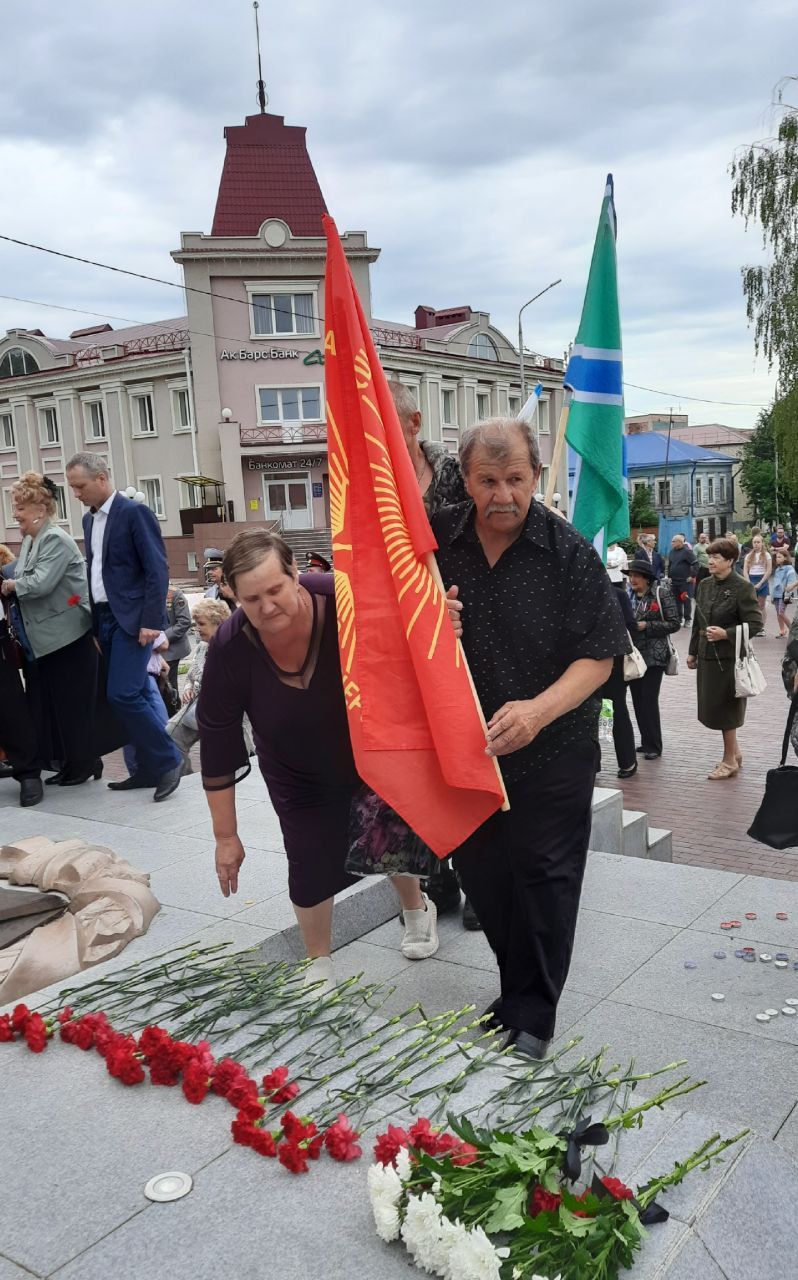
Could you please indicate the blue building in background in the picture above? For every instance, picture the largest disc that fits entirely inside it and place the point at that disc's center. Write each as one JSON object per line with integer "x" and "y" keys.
{"x": 692, "y": 489}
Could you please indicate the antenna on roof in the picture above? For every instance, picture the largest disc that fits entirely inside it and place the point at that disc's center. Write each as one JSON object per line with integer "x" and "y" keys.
{"x": 262, "y": 95}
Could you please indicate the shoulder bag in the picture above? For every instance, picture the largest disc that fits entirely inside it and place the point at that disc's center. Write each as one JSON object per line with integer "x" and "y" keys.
{"x": 672, "y": 665}
{"x": 776, "y": 821}
{"x": 748, "y": 677}
{"x": 634, "y": 664}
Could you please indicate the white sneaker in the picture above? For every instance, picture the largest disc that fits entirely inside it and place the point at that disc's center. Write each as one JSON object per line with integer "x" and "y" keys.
{"x": 320, "y": 976}
{"x": 421, "y": 932}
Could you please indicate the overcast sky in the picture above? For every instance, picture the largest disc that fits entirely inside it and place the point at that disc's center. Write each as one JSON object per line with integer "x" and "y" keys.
{"x": 470, "y": 141}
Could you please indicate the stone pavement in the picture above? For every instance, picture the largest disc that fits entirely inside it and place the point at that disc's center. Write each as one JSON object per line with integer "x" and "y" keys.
{"x": 709, "y": 820}
{"x": 78, "y": 1148}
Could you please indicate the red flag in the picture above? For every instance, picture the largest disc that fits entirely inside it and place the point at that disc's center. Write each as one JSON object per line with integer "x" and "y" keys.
{"x": 417, "y": 731}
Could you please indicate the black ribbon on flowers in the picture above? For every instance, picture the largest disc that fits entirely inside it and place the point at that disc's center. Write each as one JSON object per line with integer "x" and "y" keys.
{"x": 586, "y": 1134}
{"x": 652, "y": 1214}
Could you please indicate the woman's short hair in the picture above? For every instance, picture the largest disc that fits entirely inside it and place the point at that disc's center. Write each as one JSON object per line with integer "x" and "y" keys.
{"x": 35, "y": 489}
{"x": 6, "y": 555}
{"x": 249, "y": 548}
{"x": 214, "y": 611}
{"x": 725, "y": 548}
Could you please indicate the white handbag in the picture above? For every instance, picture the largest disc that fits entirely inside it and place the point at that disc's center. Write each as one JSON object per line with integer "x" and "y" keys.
{"x": 748, "y": 677}
{"x": 634, "y": 664}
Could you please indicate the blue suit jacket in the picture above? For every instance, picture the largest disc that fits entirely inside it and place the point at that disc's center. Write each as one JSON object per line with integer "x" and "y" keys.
{"x": 135, "y": 567}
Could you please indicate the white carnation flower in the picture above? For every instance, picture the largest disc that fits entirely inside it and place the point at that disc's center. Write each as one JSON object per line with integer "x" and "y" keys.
{"x": 385, "y": 1190}
{"x": 421, "y": 1230}
{"x": 473, "y": 1257}
{"x": 404, "y": 1165}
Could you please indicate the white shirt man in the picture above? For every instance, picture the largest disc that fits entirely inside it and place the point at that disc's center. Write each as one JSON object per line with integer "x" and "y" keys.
{"x": 97, "y": 535}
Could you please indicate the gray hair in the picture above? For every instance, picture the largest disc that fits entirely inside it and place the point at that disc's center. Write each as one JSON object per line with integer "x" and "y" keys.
{"x": 402, "y": 398}
{"x": 493, "y": 434}
{"x": 91, "y": 463}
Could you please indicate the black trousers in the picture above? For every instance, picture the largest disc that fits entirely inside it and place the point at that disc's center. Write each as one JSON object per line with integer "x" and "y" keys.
{"x": 523, "y": 872}
{"x": 645, "y": 700}
{"x": 174, "y": 668}
{"x": 17, "y": 733}
{"x": 684, "y": 607}
{"x": 63, "y": 691}
{"x": 623, "y": 734}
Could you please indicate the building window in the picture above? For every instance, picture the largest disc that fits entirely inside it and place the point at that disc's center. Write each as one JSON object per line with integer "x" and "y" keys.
{"x": 289, "y": 404}
{"x": 515, "y": 406}
{"x": 663, "y": 493}
{"x": 544, "y": 420}
{"x": 151, "y": 488}
{"x": 94, "y": 420}
{"x": 7, "y": 438}
{"x": 483, "y": 405}
{"x": 721, "y": 489}
{"x": 447, "y": 406}
{"x": 544, "y": 479}
{"x": 639, "y": 484}
{"x": 482, "y": 347}
{"x": 710, "y": 489}
{"x": 48, "y": 425}
{"x": 282, "y": 314}
{"x": 60, "y": 501}
{"x": 191, "y": 561}
{"x": 190, "y": 495}
{"x": 181, "y": 409}
{"x": 699, "y": 492}
{"x": 143, "y": 414}
{"x": 16, "y": 363}
{"x": 8, "y": 510}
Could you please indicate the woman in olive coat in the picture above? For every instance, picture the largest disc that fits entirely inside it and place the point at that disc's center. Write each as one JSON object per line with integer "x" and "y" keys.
{"x": 724, "y": 601}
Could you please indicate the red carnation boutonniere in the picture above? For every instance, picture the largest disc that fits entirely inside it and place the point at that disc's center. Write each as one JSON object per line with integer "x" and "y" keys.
{"x": 73, "y": 600}
{"x": 653, "y": 608}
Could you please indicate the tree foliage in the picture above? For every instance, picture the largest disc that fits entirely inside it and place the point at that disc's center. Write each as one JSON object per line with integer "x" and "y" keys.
{"x": 765, "y": 190}
{"x": 758, "y": 468}
{"x": 641, "y": 508}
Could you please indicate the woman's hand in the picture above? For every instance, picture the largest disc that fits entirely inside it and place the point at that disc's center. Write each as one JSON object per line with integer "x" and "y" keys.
{"x": 229, "y": 856}
{"x": 692, "y": 661}
{"x": 641, "y": 626}
{"x": 187, "y": 694}
{"x": 716, "y": 633}
{"x": 9, "y": 586}
{"x": 455, "y": 608}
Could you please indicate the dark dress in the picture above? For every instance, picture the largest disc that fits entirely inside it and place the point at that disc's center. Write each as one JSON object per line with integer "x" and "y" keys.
{"x": 302, "y": 743}
{"x": 724, "y": 604}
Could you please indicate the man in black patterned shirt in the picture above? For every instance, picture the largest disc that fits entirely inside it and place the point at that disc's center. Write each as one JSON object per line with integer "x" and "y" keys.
{"x": 541, "y": 626}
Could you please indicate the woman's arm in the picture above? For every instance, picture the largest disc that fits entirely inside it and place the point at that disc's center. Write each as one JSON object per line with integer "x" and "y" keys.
{"x": 182, "y": 618}
{"x": 52, "y": 562}
{"x": 229, "y": 849}
{"x": 768, "y": 566}
{"x": 747, "y": 611}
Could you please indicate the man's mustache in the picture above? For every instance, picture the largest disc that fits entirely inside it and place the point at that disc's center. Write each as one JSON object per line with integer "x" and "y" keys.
{"x": 502, "y": 509}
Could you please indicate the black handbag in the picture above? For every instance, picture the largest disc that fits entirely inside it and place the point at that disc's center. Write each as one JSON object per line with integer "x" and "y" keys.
{"x": 776, "y": 821}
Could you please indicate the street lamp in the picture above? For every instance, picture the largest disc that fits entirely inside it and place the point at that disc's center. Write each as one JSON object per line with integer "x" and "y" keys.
{"x": 521, "y": 333}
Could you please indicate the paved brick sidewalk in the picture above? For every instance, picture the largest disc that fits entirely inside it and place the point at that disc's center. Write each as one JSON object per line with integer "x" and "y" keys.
{"x": 709, "y": 819}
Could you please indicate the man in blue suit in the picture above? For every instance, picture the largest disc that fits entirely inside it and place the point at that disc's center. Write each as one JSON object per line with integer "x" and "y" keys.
{"x": 128, "y": 580}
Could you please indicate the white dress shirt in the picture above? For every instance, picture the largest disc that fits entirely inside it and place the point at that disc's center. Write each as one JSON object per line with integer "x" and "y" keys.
{"x": 99, "y": 521}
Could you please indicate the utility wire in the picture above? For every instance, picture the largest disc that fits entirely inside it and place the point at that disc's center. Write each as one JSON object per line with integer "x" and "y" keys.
{"x": 226, "y": 297}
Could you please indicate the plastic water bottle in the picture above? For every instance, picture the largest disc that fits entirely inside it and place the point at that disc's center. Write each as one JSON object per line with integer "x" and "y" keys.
{"x": 605, "y": 721}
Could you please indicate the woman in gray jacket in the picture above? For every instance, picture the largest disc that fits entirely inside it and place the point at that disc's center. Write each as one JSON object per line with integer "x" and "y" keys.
{"x": 53, "y": 597}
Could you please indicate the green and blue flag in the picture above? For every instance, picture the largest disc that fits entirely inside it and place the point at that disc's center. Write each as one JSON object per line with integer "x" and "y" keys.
{"x": 594, "y": 382}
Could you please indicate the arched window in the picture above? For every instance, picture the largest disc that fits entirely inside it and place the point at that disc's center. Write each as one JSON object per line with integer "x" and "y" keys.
{"x": 16, "y": 362}
{"x": 483, "y": 347}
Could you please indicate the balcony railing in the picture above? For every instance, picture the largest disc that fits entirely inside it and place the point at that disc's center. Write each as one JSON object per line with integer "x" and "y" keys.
{"x": 281, "y": 435}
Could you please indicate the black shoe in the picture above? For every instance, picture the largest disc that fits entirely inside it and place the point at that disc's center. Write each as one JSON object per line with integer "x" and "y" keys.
{"x": 640, "y": 749}
{"x": 651, "y": 755}
{"x": 31, "y": 792}
{"x": 470, "y": 920}
{"x": 529, "y": 1045}
{"x": 135, "y": 782}
{"x": 55, "y": 778}
{"x": 77, "y": 779}
{"x": 6, "y": 769}
{"x": 169, "y": 782}
{"x": 444, "y": 891}
{"x": 627, "y": 773}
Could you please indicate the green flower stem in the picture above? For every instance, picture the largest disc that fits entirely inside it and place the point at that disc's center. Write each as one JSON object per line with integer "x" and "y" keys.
{"x": 707, "y": 1153}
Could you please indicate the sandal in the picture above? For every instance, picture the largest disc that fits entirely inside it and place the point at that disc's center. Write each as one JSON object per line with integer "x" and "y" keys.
{"x": 721, "y": 771}
{"x": 739, "y": 759}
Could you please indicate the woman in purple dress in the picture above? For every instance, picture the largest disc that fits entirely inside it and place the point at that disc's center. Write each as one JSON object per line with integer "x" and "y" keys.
{"x": 276, "y": 661}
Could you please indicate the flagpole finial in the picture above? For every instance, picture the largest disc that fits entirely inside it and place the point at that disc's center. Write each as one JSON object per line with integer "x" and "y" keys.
{"x": 263, "y": 97}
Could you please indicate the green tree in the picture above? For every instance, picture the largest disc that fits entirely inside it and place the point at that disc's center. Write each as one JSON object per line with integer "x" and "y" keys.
{"x": 641, "y": 508}
{"x": 758, "y": 473}
{"x": 765, "y": 190}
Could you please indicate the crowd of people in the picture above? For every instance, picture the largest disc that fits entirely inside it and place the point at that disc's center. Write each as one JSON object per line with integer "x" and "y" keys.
{"x": 548, "y": 631}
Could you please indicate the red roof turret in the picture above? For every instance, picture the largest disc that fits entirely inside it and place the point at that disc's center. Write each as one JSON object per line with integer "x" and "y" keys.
{"x": 267, "y": 173}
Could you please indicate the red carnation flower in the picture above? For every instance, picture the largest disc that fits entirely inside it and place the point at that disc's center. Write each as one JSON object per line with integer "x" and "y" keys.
{"x": 124, "y": 1066}
{"x": 263, "y": 1142}
{"x": 66, "y": 1014}
{"x": 653, "y": 607}
{"x": 225, "y": 1074}
{"x": 19, "y": 1017}
{"x": 389, "y": 1144}
{"x": 276, "y": 1088}
{"x": 6, "y": 1029}
{"x": 466, "y": 1154}
{"x": 243, "y": 1093}
{"x": 292, "y": 1157}
{"x": 73, "y": 600}
{"x": 196, "y": 1082}
{"x": 341, "y": 1140}
{"x": 423, "y": 1137}
{"x": 35, "y": 1033}
{"x": 243, "y": 1130}
{"x": 543, "y": 1201}
{"x": 617, "y": 1189}
{"x": 154, "y": 1040}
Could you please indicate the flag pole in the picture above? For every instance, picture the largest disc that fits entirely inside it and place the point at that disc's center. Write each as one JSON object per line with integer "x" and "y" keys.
{"x": 432, "y": 565}
{"x": 559, "y": 444}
